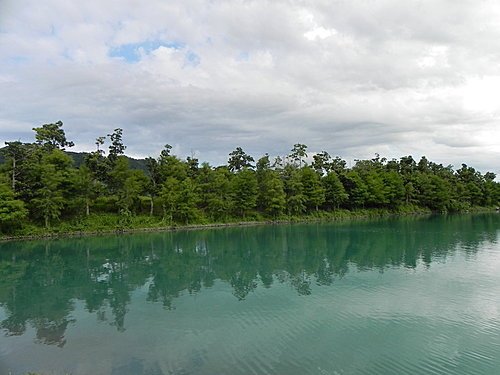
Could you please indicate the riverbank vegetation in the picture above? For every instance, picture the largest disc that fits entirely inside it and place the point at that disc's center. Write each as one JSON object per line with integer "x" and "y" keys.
{"x": 43, "y": 191}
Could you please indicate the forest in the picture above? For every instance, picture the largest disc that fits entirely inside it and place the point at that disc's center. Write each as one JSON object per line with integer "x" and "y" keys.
{"x": 42, "y": 189}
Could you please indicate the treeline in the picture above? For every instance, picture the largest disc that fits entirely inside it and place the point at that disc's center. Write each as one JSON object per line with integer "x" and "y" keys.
{"x": 40, "y": 185}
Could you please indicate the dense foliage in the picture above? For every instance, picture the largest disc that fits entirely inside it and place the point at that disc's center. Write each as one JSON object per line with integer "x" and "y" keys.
{"x": 40, "y": 185}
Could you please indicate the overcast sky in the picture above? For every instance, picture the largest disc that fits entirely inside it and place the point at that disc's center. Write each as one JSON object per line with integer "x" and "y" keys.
{"x": 353, "y": 78}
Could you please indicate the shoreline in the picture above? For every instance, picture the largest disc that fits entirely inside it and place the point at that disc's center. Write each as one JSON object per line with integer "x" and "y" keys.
{"x": 357, "y": 215}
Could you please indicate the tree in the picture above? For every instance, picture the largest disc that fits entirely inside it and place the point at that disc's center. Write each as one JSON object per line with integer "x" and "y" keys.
{"x": 215, "y": 197}
{"x": 473, "y": 182}
{"x": 298, "y": 153}
{"x": 51, "y": 136}
{"x": 375, "y": 188}
{"x": 355, "y": 187}
{"x": 433, "y": 191}
{"x": 87, "y": 187}
{"x": 169, "y": 196}
{"x": 14, "y": 153}
{"x": 186, "y": 210}
{"x": 338, "y": 165}
{"x": 321, "y": 162}
{"x": 489, "y": 188}
{"x": 118, "y": 175}
{"x": 409, "y": 192}
{"x": 294, "y": 189}
{"x": 239, "y": 160}
{"x": 244, "y": 192}
{"x": 12, "y": 210}
{"x": 171, "y": 166}
{"x": 407, "y": 166}
{"x": 335, "y": 194}
{"x": 48, "y": 202}
{"x": 116, "y": 148}
{"x": 132, "y": 189}
{"x": 314, "y": 192}
{"x": 394, "y": 188}
{"x": 192, "y": 165}
{"x": 154, "y": 183}
{"x": 271, "y": 198}
{"x": 98, "y": 165}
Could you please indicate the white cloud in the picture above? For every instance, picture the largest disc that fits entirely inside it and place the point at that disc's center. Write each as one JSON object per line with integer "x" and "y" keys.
{"x": 353, "y": 78}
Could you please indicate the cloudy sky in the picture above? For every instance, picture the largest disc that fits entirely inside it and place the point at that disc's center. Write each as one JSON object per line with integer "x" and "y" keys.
{"x": 353, "y": 78}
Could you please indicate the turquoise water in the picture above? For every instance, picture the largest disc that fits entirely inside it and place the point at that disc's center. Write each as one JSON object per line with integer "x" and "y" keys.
{"x": 394, "y": 296}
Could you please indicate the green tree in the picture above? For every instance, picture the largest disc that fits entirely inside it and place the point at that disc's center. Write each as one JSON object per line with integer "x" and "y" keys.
{"x": 294, "y": 189}
{"x": 12, "y": 210}
{"x": 51, "y": 136}
{"x": 171, "y": 166}
{"x": 132, "y": 189}
{"x": 169, "y": 196}
{"x": 49, "y": 201}
{"x": 239, "y": 160}
{"x": 433, "y": 191}
{"x": 188, "y": 197}
{"x": 313, "y": 190}
{"x": 215, "y": 197}
{"x": 335, "y": 194}
{"x": 244, "y": 192}
{"x": 356, "y": 188}
{"x": 298, "y": 154}
{"x": 15, "y": 152}
{"x": 321, "y": 162}
{"x": 116, "y": 148}
{"x": 338, "y": 165}
{"x": 376, "y": 189}
{"x": 271, "y": 199}
{"x": 87, "y": 187}
{"x": 394, "y": 188}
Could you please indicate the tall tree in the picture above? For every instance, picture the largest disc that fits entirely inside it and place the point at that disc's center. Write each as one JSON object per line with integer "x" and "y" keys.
{"x": 271, "y": 198}
{"x": 239, "y": 159}
{"x": 12, "y": 210}
{"x": 335, "y": 194}
{"x": 356, "y": 188}
{"x": 15, "y": 152}
{"x": 244, "y": 192}
{"x": 215, "y": 197}
{"x": 298, "y": 154}
{"x": 116, "y": 148}
{"x": 51, "y": 136}
{"x": 314, "y": 192}
{"x": 321, "y": 162}
{"x": 294, "y": 189}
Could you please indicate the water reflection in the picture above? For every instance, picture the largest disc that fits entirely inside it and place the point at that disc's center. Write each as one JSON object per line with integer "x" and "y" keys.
{"x": 40, "y": 281}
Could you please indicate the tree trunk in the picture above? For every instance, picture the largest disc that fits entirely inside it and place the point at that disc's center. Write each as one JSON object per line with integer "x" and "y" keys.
{"x": 151, "y": 207}
{"x": 87, "y": 207}
{"x": 14, "y": 175}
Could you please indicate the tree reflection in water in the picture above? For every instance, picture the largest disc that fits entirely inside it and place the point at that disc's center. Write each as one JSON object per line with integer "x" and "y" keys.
{"x": 40, "y": 281}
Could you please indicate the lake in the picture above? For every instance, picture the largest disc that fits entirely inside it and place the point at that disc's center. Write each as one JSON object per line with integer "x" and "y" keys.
{"x": 412, "y": 295}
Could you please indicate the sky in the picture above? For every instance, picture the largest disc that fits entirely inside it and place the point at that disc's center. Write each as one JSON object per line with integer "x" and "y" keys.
{"x": 353, "y": 78}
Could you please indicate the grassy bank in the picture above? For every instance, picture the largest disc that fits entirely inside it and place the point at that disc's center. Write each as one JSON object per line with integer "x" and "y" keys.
{"x": 113, "y": 223}
{"x": 97, "y": 224}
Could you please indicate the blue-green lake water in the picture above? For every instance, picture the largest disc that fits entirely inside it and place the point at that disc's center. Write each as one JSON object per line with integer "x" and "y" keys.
{"x": 417, "y": 295}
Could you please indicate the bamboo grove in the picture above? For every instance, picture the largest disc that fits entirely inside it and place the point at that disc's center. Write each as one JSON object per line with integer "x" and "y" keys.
{"x": 40, "y": 186}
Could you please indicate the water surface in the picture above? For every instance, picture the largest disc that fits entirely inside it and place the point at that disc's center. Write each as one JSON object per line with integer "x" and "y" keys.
{"x": 411, "y": 295}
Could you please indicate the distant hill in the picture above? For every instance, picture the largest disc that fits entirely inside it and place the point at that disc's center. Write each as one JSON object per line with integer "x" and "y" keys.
{"x": 79, "y": 158}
